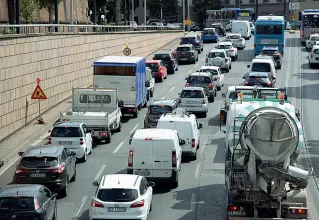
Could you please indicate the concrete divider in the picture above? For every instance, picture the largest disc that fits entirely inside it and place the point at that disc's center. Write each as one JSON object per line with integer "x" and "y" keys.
{"x": 62, "y": 63}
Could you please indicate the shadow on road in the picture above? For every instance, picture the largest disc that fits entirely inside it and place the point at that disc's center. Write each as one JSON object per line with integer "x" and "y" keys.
{"x": 309, "y": 91}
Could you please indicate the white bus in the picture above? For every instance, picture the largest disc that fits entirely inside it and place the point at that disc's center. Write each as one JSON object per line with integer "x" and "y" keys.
{"x": 309, "y": 23}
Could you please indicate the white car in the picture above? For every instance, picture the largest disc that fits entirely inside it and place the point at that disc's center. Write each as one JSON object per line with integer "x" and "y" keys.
{"x": 314, "y": 56}
{"x": 220, "y": 58}
{"x": 312, "y": 41}
{"x": 122, "y": 196}
{"x": 238, "y": 41}
{"x": 74, "y": 136}
{"x": 216, "y": 73}
{"x": 228, "y": 46}
{"x": 194, "y": 100}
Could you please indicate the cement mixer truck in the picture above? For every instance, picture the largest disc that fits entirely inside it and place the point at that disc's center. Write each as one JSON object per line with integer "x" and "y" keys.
{"x": 263, "y": 140}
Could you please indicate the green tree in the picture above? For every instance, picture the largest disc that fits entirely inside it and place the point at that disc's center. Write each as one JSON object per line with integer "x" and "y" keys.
{"x": 169, "y": 9}
{"x": 27, "y": 8}
{"x": 48, "y": 5}
{"x": 200, "y": 7}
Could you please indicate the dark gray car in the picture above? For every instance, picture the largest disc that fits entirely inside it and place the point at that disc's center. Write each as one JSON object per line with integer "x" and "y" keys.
{"x": 186, "y": 53}
{"x": 168, "y": 59}
{"x": 275, "y": 53}
{"x": 194, "y": 39}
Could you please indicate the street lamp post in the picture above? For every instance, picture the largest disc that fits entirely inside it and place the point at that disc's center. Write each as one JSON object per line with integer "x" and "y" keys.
{"x": 145, "y": 12}
{"x": 188, "y": 13}
{"x": 133, "y": 10}
{"x": 183, "y": 15}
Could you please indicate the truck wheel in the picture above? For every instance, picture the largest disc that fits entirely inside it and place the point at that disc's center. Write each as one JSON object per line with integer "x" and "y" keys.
{"x": 135, "y": 114}
{"x": 148, "y": 96}
{"x": 108, "y": 139}
{"x": 119, "y": 128}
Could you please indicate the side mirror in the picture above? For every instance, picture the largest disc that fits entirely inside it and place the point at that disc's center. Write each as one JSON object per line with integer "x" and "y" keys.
{"x": 96, "y": 183}
{"x": 186, "y": 78}
{"x": 181, "y": 142}
{"x": 244, "y": 77}
{"x": 224, "y": 95}
{"x": 130, "y": 141}
{"x": 151, "y": 184}
{"x": 200, "y": 125}
{"x": 147, "y": 84}
{"x": 120, "y": 104}
{"x": 248, "y": 66}
{"x": 20, "y": 153}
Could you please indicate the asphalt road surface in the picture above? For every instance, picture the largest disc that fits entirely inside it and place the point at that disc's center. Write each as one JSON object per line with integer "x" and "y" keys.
{"x": 200, "y": 194}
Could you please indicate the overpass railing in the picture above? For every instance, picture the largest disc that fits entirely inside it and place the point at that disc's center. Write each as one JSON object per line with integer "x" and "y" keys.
{"x": 66, "y": 28}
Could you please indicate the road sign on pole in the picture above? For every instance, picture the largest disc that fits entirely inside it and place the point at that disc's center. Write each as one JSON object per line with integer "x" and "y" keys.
{"x": 39, "y": 95}
{"x": 127, "y": 51}
{"x": 294, "y": 6}
{"x": 187, "y": 22}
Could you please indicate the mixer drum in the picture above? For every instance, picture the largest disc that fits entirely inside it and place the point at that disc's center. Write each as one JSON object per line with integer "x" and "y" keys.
{"x": 271, "y": 133}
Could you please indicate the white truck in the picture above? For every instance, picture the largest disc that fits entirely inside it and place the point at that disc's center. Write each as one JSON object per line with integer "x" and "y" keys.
{"x": 150, "y": 83}
{"x": 98, "y": 109}
{"x": 263, "y": 141}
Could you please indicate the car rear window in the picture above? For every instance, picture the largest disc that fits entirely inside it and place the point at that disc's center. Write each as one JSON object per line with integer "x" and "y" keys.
{"x": 66, "y": 132}
{"x": 198, "y": 79}
{"x": 233, "y": 37}
{"x": 160, "y": 109}
{"x": 216, "y": 54}
{"x": 183, "y": 49}
{"x": 212, "y": 72}
{"x": 152, "y": 66}
{"x": 208, "y": 32}
{"x": 117, "y": 195}
{"x": 256, "y": 80}
{"x": 162, "y": 57}
{"x": 224, "y": 47}
{"x": 39, "y": 162}
{"x": 192, "y": 94}
{"x": 261, "y": 67}
{"x": 187, "y": 40}
{"x": 18, "y": 203}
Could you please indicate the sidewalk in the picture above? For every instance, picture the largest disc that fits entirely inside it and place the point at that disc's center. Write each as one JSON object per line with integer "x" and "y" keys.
{"x": 33, "y": 132}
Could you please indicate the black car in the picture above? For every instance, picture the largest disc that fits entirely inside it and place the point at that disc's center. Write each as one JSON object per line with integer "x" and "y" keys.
{"x": 195, "y": 40}
{"x": 220, "y": 29}
{"x": 51, "y": 166}
{"x": 27, "y": 201}
{"x": 168, "y": 59}
{"x": 261, "y": 79}
{"x": 275, "y": 53}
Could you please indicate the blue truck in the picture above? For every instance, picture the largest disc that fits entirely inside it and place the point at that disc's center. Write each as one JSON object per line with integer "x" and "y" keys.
{"x": 127, "y": 75}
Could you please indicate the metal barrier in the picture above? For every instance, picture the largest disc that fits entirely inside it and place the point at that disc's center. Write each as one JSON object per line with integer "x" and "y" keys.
{"x": 64, "y": 28}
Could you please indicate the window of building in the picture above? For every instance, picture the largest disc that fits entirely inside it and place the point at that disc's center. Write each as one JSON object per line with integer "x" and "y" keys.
{"x": 252, "y": 1}
{"x": 266, "y": 1}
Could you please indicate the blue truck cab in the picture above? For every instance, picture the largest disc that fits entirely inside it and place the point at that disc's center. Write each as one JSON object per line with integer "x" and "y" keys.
{"x": 127, "y": 74}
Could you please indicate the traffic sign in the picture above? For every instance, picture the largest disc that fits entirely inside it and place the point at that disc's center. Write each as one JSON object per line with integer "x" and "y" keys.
{"x": 187, "y": 22}
{"x": 294, "y": 6}
{"x": 127, "y": 51}
{"x": 38, "y": 93}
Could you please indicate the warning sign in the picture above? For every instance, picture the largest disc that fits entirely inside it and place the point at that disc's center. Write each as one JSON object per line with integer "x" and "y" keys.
{"x": 38, "y": 93}
{"x": 127, "y": 51}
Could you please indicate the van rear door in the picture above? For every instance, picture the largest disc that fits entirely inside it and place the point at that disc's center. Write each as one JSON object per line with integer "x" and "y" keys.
{"x": 142, "y": 157}
{"x": 185, "y": 132}
{"x": 162, "y": 158}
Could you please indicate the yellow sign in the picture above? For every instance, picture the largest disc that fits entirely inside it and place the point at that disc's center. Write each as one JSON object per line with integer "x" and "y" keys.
{"x": 38, "y": 93}
{"x": 187, "y": 22}
{"x": 244, "y": 14}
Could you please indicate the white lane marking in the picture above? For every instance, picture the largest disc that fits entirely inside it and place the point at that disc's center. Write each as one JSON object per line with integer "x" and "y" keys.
{"x": 196, "y": 65}
{"x": 133, "y": 129}
{"x": 81, "y": 206}
{"x": 203, "y": 59}
{"x": 197, "y": 171}
{"x": 97, "y": 177}
{"x": 288, "y": 70}
{"x": 171, "y": 89}
{"x": 192, "y": 207}
{"x": 118, "y": 147}
{"x": 163, "y": 97}
{"x": 189, "y": 72}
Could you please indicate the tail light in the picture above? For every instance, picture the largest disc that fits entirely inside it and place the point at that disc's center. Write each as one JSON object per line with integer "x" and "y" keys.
{"x": 81, "y": 141}
{"x": 215, "y": 33}
{"x": 210, "y": 86}
{"x": 231, "y": 50}
{"x": 179, "y": 100}
{"x": 174, "y": 159}
{"x": 50, "y": 141}
{"x": 96, "y": 204}
{"x": 282, "y": 45}
{"x": 59, "y": 170}
{"x": 298, "y": 210}
{"x": 103, "y": 134}
{"x": 254, "y": 45}
{"x": 130, "y": 159}
{"x": 36, "y": 204}
{"x": 138, "y": 204}
{"x": 236, "y": 209}
{"x": 19, "y": 170}
{"x": 203, "y": 102}
{"x": 269, "y": 83}
{"x": 193, "y": 143}
{"x": 217, "y": 77}
{"x": 187, "y": 84}
{"x": 206, "y": 59}
{"x": 245, "y": 83}
{"x": 303, "y": 33}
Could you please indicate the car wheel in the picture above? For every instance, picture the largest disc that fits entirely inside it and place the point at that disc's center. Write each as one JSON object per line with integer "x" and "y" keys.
{"x": 199, "y": 52}
{"x": 194, "y": 156}
{"x": 165, "y": 77}
{"x": 279, "y": 67}
{"x": 219, "y": 88}
{"x": 119, "y": 128}
{"x": 202, "y": 49}
{"x": 194, "y": 61}
{"x": 204, "y": 115}
{"x": 108, "y": 139}
{"x": 135, "y": 114}
{"x": 177, "y": 68}
{"x": 175, "y": 182}
{"x": 230, "y": 67}
{"x": 64, "y": 192}
{"x": 74, "y": 176}
{"x": 85, "y": 157}
{"x": 197, "y": 58}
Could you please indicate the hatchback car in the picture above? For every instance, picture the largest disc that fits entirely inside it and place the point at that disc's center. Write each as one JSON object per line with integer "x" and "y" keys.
{"x": 158, "y": 69}
{"x": 204, "y": 80}
{"x": 220, "y": 58}
{"x": 194, "y": 100}
{"x": 210, "y": 35}
{"x": 228, "y": 46}
{"x": 238, "y": 41}
{"x": 27, "y": 201}
{"x": 74, "y": 136}
{"x": 220, "y": 28}
{"x": 186, "y": 53}
{"x": 314, "y": 56}
{"x": 194, "y": 39}
{"x": 169, "y": 60}
{"x": 51, "y": 166}
{"x": 122, "y": 196}
{"x": 275, "y": 53}
{"x": 217, "y": 74}
{"x": 259, "y": 79}
{"x": 156, "y": 109}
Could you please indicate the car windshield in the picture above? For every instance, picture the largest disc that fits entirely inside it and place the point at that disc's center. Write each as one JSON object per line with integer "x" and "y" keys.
{"x": 16, "y": 203}
{"x": 198, "y": 80}
{"x": 261, "y": 67}
{"x": 224, "y": 47}
{"x": 162, "y": 57}
{"x": 269, "y": 29}
{"x": 213, "y": 72}
{"x": 232, "y": 37}
{"x": 208, "y": 32}
{"x": 66, "y": 132}
{"x": 183, "y": 49}
{"x": 192, "y": 94}
{"x": 152, "y": 66}
{"x": 117, "y": 195}
{"x": 216, "y": 54}
{"x": 314, "y": 38}
{"x": 39, "y": 161}
{"x": 257, "y": 79}
{"x": 187, "y": 40}
{"x": 160, "y": 109}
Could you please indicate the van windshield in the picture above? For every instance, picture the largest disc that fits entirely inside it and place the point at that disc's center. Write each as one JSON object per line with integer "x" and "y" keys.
{"x": 261, "y": 67}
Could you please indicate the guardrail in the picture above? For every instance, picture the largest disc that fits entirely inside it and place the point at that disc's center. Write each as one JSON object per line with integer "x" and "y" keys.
{"x": 65, "y": 28}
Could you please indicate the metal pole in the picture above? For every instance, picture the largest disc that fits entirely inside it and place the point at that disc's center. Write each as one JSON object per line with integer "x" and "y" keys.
{"x": 161, "y": 13}
{"x": 285, "y": 2}
{"x": 71, "y": 14}
{"x": 183, "y": 15}
{"x": 56, "y": 8}
{"x": 188, "y": 14}
{"x": 94, "y": 11}
{"x": 18, "y": 15}
{"x": 145, "y": 12}
{"x": 133, "y": 10}
{"x": 256, "y": 13}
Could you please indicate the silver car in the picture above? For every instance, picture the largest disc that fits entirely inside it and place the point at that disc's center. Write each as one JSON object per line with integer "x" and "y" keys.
{"x": 237, "y": 40}
{"x": 220, "y": 58}
{"x": 194, "y": 100}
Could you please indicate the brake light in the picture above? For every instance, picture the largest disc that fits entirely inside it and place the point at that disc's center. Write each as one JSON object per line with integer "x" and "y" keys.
{"x": 19, "y": 170}
{"x": 193, "y": 143}
{"x": 231, "y": 50}
{"x": 174, "y": 159}
{"x": 102, "y": 134}
{"x": 50, "y": 141}
{"x": 81, "y": 141}
{"x": 237, "y": 209}
{"x": 179, "y": 100}
{"x": 303, "y": 33}
{"x": 206, "y": 59}
{"x": 96, "y": 204}
{"x": 130, "y": 159}
{"x": 210, "y": 86}
{"x": 36, "y": 204}
{"x": 269, "y": 83}
{"x": 232, "y": 208}
{"x": 245, "y": 83}
{"x": 187, "y": 84}
{"x": 138, "y": 204}
{"x": 298, "y": 211}
{"x": 203, "y": 101}
{"x": 59, "y": 170}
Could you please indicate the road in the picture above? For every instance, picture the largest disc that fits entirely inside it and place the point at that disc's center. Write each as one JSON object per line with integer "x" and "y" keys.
{"x": 201, "y": 193}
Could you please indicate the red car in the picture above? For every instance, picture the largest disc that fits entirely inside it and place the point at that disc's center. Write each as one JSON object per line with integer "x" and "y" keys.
{"x": 158, "y": 69}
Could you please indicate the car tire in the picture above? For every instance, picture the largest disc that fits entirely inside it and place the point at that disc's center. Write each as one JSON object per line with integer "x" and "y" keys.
{"x": 197, "y": 58}
{"x": 194, "y": 61}
{"x": 74, "y": 176}
{"x": 202, "y": 49}
{"x": 204, "y": 115}
{"x": 119, "y": 128}
{"x": 85, "y": 157}
{"x": 177, "y": 68}
{"x": 165, "y": 77}
{"x": 194, "y": 156}
{"x": 175, "y": 182}
{"x": 219, "y": 88}
{"x": 230, "y": 67}
{"x": 279, "y": 67}
{"x": 108, "y": 139}
{"x": 64, "y": 192}
{"x": 135, "y": 114}
{"x": 199, "y": 52}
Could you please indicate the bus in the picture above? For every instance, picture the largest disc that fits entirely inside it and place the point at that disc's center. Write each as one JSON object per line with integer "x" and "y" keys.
{"x": 309, "y": 23}
{"x": 226, "y": 14}
{"x": 270, "y": 32}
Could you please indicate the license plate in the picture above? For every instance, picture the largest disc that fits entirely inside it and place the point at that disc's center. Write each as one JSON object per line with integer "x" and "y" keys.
{"x": 117, "y": 209}
{"x": 38, "y": 175}
{"x": 183, "y": 58}
{"x": 143, "y": 173}
{"x": 191, "y": 102}
{"x": 269, "y": 41}
{"x": 208, "y": 35}
{"x": 65, "y": 142}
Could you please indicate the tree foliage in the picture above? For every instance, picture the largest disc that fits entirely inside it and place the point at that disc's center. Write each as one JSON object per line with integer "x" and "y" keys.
{"x": 170, "y": 9}
{"x": 27, "y": 8}
{"x": 200, "y": 7}
{"x": 48, "y": 5}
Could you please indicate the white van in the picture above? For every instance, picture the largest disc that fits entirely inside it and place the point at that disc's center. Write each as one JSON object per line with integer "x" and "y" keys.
{"x": 241, "y": 27}
{"x": 187, "y": 127}
{"x": 263, "y": 65}
{"x": 156, "y": 154}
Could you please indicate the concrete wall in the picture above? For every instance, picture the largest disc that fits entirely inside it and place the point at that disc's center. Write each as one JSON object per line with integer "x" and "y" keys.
{"x": 61, "y": 62}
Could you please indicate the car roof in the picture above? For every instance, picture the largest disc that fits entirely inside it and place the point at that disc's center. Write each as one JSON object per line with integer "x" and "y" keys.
{"x": 216, "y": 23}
{"x": 163, "y": 102}
{"x": 189, "y": 35}
{"x": 200, "y": 74}
{"x": 314, "y": 34}
{"x": 192, "y": 88}
{"x": 209, "y": 29}
{"x": 232, "y": 34}
{"x": 210, "y": 68}
{"x": 154, "y": 133}
{"x": 68, "y": 124}
{"x": 185, "y": 45}
{"x": 153, "y": 61}
{"x": 125, "y": 181}
{"x": 233, "y": 88}
{"x": 225, "y": 43}
{"x": 258, "y": 74}
{"x": 46, "y": 150}
{"x": 217, "y": 50}
{"x": 28, "y": 190}
{"x": 262, "y": 60}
